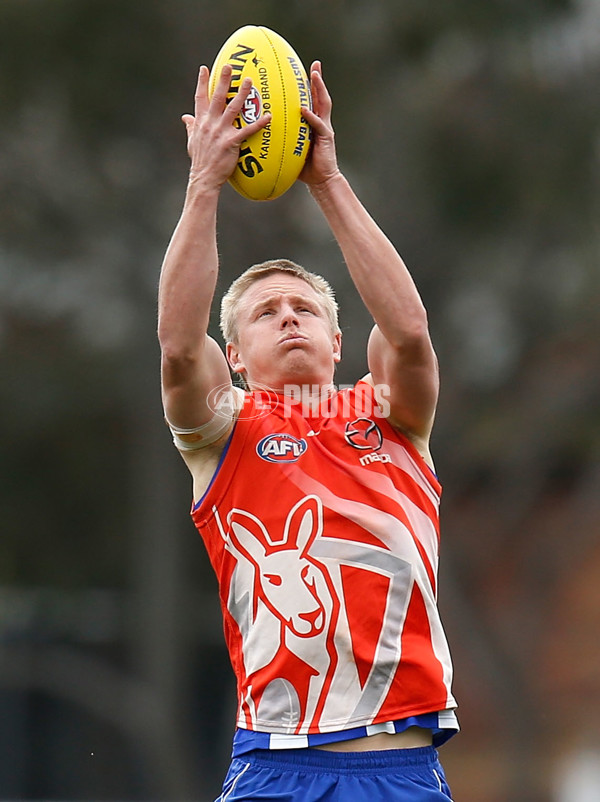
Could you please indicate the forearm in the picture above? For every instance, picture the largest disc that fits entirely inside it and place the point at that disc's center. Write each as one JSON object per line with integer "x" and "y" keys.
{"x": 380, "y": 275}
{"x": 188, "y": 276}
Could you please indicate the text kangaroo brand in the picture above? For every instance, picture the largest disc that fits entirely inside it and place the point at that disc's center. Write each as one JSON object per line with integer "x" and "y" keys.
{"x": 248, "y": 162}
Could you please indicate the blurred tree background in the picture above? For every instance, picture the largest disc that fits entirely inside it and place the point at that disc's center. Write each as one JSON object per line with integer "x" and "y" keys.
{"x": 471, "y": 132}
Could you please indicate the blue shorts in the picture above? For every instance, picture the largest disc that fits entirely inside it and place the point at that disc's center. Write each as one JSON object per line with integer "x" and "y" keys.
{"x": 315, "y": 775}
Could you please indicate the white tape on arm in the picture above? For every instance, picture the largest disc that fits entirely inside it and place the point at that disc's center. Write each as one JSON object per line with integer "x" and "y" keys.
{"x": 217, "y": 426}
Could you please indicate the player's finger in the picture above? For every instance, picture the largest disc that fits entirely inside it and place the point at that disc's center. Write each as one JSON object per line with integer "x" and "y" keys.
{"x": 201, "y": 96}
{"x": 322, "y": 103}
{"x": 318, "y": 124}
{"x": 247, "y": 130}
{"x": 219, "y": 98}
{"x": 236, "y": 104}
{"x": 234, "y": 109}
{"x": 188, "y": 121}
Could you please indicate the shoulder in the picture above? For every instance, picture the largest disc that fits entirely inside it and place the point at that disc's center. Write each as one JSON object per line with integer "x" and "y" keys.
{"x": 202, "y": 448}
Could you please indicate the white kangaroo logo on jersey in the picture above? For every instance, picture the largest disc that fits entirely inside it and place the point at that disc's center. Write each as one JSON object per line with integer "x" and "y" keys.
{"x": 287, "y": 586}
{"x": 293, "y": 606}
{"x": 284, "y": 596}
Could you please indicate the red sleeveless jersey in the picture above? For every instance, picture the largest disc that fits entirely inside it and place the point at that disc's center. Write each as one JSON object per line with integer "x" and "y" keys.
{"x": 323, "y": 531}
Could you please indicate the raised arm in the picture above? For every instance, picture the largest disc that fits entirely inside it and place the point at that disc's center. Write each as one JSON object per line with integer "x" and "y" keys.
{"x": 400, "y": 353}
{"x": 192, "y": 364}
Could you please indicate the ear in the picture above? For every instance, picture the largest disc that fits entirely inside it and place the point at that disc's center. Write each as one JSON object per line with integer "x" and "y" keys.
{"x": 337, "y": 347}
{"x": 248, "y": 534}
{"x": 234, "y": 358}
{"x": 304, "y": 523}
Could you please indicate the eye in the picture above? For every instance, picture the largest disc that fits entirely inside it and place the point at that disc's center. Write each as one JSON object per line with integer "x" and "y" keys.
{"x": 274, "y": 579}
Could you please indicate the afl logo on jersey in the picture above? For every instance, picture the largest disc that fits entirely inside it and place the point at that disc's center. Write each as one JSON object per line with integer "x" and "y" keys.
{"x": 281, "y": 447}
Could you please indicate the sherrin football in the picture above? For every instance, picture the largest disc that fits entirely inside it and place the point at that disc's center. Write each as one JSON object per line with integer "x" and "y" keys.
{"x": 271, "y": 159}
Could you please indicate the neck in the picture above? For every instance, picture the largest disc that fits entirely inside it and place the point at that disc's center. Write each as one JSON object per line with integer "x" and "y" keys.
{"x": 294, "y": 389}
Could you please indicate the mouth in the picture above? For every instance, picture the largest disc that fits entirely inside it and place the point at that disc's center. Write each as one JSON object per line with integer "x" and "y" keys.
{"x": 293, "y": 339}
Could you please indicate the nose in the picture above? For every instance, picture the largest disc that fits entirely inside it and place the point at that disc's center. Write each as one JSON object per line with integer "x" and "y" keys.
{"x": 311, "y": 623}
{"x": 288, "y": 317}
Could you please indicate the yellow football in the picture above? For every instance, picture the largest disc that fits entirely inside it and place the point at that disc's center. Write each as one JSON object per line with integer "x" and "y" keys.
{"x": 270, "y": 160}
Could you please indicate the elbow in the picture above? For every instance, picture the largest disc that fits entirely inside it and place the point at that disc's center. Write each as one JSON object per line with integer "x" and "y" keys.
{"x": 173, "y": 356}
{"x": 176, "y": 344}
{"x": 418, "y": 326}
{"x": 178, "y": 364}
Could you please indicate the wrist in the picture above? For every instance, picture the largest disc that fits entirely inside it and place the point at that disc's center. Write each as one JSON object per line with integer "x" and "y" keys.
{"x": 320, "y": 190}
{"x": 200, "y": 187}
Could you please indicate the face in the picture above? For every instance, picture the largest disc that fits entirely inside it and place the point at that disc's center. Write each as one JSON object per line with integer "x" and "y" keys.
{"x": 284, "y": 335}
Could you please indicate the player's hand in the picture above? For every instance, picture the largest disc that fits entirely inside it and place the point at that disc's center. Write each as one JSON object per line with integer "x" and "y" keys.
{"x": 321, "y": 164}
{"x": 213, "y": 141}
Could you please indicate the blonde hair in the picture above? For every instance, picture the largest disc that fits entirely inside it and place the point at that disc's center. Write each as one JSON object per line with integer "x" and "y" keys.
{"x": 231, "y": 300}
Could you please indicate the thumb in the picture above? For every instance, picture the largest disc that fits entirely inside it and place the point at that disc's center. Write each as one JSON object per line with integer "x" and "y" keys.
{"x": 188, "y": 121}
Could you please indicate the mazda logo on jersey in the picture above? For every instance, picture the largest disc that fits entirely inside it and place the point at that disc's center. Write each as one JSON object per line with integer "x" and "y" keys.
{"x": 281, "y": 447}
{"x": 364, "y": 434}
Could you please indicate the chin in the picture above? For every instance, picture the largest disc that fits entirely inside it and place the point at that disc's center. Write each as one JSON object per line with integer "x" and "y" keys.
{"x": 301, "y": 370}
{"x": 296, "y": 368}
